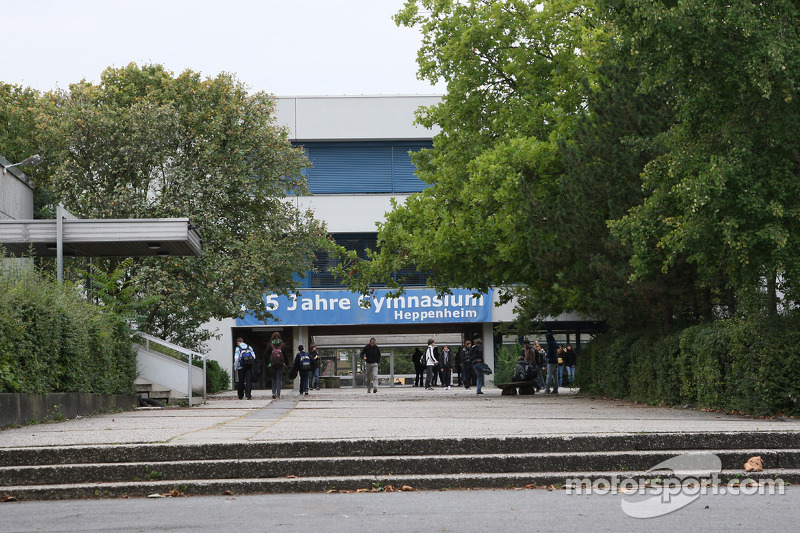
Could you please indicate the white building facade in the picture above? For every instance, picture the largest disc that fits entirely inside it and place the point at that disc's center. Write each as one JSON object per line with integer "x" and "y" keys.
{"x": 359, "y": 148}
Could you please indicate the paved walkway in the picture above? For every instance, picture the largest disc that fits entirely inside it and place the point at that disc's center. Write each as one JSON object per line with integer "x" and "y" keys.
{"x": 401, "y": 412}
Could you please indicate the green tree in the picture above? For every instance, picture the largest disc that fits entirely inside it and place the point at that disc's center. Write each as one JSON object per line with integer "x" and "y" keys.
{"x": 513, "y": 72}
{"x": 144, "y": 143}
{"x": 725, "y": 193}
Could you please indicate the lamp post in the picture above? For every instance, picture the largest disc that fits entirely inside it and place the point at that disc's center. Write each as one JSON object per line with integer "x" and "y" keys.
{"x": 32, "y": 160}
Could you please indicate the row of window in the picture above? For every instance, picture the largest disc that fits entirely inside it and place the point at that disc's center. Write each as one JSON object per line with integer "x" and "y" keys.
{"x": 377, "y": 167}
{"x": 321, "y": 277}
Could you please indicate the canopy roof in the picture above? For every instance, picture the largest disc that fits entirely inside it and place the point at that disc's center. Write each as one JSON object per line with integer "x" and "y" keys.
{"x": 101, "y": 237}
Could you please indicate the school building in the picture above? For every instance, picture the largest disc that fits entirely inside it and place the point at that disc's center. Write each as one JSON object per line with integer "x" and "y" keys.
{"x": 359, "y": 147}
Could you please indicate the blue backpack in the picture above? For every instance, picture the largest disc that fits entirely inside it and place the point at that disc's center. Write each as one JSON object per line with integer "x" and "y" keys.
{"x": 305, "y": 361}
{"x": 246, "y": 357}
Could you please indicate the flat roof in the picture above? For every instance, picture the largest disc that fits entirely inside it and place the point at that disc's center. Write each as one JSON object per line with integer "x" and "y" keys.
{"x": 101, "y": 237}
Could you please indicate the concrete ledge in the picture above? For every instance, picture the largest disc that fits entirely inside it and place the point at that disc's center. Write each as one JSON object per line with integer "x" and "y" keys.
{"x": 19, "y": 408}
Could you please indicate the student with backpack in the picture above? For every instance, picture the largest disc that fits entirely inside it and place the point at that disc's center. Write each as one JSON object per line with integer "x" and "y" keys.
{"x": 276, "y": 358}
{"x": 244, "y": 359}
{"x": 302, "y": 364}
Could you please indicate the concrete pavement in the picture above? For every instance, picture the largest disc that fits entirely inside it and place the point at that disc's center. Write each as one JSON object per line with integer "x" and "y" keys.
{"x": 402, "y": 412}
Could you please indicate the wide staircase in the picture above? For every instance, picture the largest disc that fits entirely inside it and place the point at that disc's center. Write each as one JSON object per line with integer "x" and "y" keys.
{"x": 385, "y": 465}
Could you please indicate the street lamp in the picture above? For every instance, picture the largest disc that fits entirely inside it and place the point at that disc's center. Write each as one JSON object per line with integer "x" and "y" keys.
{"x": 32, "y": 160}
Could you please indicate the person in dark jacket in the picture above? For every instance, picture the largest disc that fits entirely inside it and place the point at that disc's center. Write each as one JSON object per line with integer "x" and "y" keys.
{"x": 446, "y": 367}
{"x": 476, "y": 357}
{"x": 437, "y": 368}
{"x": 276, "y": 364}
{"x": 570, "y": 360}
{"x": 552, "y": 364}
{"x": 540, "y": 360}
{"x": 302, "y": 366}
{"x": 521, "y": 370}
{"x": 315, "y": 364}
{"x": 466, "y": 364}
{"x": 372, "y": 355}
{"x": 419, "y": 367}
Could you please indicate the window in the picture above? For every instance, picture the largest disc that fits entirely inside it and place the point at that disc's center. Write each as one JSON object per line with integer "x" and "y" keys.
{"x": 363, "y": 167}
{"x": 360, "y": 242}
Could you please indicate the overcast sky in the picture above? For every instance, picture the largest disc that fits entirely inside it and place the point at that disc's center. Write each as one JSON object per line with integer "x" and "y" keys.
{"x": 286, "y": 47}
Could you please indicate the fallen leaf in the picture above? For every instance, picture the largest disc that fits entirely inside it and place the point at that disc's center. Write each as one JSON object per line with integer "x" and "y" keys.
{"x": 530, "y": 486}
{"x": 406, "y": 488}
{"x": 362, "y": 490}
{"x": 227, "y": 493}
{"x": 290, "y": 476}
{"x": 154, "y": 496}
{"x": 754, "y": 464}
{"x": 7, "y": 498}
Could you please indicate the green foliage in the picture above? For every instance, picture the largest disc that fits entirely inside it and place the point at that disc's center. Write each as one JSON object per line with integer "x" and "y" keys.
{"x": 505, "y": 359}
{"x": 217, "y": 379}
{"x": 51, "y": 340}
{"x": 145, "y": 143}
{"x": 738, "y": 364}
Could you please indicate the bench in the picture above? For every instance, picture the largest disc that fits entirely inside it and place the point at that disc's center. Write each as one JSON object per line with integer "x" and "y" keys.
{"x": 525, "y": 387}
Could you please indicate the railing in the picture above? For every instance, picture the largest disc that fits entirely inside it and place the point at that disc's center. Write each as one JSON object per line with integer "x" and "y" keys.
{"x": 191, "y": 369}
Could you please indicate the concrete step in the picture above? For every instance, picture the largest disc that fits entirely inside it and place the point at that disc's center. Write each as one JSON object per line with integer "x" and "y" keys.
{"x": 429, "y": 464}
{"x": 238, "y": 486}
{"x": 126, "y": 453}
{"x": 532, "y": 463}
{"x": 158, "y": 392}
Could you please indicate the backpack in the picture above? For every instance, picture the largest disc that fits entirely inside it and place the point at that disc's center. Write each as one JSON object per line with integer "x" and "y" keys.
{"x": 305, "y": 361}
{"x": 276, "y": 358}
{"x": 530, "y": 373}
{"x": 246, "y": 357}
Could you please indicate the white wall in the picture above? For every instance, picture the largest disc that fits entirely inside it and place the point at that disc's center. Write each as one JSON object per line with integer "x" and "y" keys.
{"x": 351, "y": 118}
{"x": 16, "y": 193}
{"x": 350, "y": 213}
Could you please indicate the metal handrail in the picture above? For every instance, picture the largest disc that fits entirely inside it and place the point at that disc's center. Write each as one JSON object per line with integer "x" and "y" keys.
{"x": 189, "y": 353}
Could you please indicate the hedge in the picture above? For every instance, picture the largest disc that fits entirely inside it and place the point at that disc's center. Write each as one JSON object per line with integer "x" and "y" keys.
{"x": 52, "y": 340}
{"x": 745, "y": 365}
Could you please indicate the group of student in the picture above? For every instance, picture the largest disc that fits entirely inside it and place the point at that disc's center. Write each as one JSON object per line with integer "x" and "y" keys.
{"x": 249, "y": 368}
{"x": 547, "y": 368}
{"x": 437, "y": 366}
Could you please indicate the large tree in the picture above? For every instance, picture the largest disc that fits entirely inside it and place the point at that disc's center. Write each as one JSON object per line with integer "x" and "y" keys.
{"x": 513, "y": 71}
{"x": 145, "y": 143}
{"x": 725, "y": 194}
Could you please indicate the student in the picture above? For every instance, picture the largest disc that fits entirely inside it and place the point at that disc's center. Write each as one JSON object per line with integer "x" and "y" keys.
{"x": 430, "y": 363}
{"x": 302, "y": 364}
{"x": 419, "y": 367}
{"x": 446, "y": 368}
{"x": 570, "y": 360}
{"x": 481, "y": 368}
{"x": 243, "y": 359}
{"x": 276, "y": 357}
{"x": 372, "y": 356}
{"x": 466, "y": 364}
{"x": 521, "y": 370}
{"x": 552, "y": 364}
{"x": 315, "y": 363}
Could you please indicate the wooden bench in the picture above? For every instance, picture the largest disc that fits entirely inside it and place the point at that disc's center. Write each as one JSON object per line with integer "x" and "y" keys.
{"x": 525, "y": 387}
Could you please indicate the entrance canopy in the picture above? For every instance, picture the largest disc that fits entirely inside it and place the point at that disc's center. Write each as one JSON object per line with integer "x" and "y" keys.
{"x": 101, "y": 237}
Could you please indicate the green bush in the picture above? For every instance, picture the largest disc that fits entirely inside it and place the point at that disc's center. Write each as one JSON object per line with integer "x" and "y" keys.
{"x": 743, "y": 364}
{"x": 52, "y": 340}
{"x": 217, "y": 379}
{"x": 504, "y": 362}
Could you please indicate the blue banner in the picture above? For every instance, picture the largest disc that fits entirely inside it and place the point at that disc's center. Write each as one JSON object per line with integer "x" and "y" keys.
{"x": 334, "y": 307}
